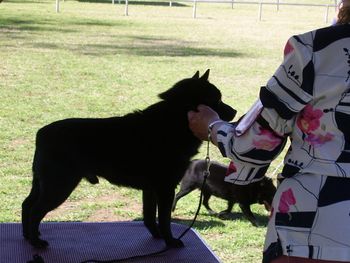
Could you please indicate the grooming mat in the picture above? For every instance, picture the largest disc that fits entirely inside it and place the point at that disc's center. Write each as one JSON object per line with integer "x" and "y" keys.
{"x": 74, "y": 242}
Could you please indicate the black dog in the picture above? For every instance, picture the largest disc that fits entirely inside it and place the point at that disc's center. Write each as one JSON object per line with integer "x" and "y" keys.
{"x": 122, "y": 150}
{"x": 261, "y": 192}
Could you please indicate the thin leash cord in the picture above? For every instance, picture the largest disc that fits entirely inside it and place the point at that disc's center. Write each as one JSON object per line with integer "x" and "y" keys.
{"x": 206, "y": 173}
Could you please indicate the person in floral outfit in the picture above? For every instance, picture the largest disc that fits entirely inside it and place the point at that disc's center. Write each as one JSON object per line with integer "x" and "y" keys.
{"x": 308, "y": 101}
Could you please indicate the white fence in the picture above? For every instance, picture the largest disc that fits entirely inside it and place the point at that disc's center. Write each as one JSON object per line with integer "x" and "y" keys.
{"x": 277, "y": 3}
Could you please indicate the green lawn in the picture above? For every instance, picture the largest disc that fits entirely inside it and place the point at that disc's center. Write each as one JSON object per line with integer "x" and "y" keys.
{"x": 90, "y": 60}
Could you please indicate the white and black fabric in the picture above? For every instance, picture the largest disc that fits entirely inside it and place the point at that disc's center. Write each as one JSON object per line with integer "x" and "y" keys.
{"x": 307, "y": 101}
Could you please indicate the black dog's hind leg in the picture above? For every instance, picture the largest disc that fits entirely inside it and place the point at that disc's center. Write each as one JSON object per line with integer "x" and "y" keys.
{"x": 37, "y": 213}
{"x": 183, "y": 191}
{"x": 27, "y": 206}
{"x": 165, "y": 200}
{"x": 149, "y": 200}
{"x": 248, "y": 213}
{"x": 230, "y": 205}
{"x": 52, "y": 193}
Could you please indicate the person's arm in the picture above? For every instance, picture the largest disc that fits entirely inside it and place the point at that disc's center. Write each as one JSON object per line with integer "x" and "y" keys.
{"x": 285, "y": 95}
{"x": 251, "y": 153}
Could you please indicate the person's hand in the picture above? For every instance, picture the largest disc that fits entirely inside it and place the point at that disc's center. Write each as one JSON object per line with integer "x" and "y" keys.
{"x": 199, "y": 121}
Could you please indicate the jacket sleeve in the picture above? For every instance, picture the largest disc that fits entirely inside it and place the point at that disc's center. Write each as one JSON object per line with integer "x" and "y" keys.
{"x": 287, "y": 92}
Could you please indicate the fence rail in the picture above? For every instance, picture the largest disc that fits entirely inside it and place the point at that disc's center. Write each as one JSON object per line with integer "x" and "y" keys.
{"x": 261, "y": 4}
{"x": 277, "y": 3}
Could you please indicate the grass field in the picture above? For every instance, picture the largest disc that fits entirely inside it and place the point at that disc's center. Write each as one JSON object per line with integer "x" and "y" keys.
{"x": 90, "y": 60}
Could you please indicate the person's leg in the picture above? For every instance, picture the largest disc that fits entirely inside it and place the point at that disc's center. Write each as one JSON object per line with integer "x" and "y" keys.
{"x": 293, "y": 221}
{"x": 286, "y": 259}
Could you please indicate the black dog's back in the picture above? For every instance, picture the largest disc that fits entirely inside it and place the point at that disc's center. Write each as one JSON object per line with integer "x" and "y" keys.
{"x": 123, "y": 150}
{"x": 96, "y": 146}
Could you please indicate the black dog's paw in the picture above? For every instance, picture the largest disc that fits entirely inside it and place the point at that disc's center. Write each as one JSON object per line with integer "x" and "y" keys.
{"x": 154, "y": 230}
{"x": 174, "y": 243}
{"x": 36, "y": 259}
{"x": 39, "y": 243}
{"x": 156, "y": 234}
{"x": 26, "y": 235}
{"x": 254, "y": 223}
{"x": 224, "y": 214}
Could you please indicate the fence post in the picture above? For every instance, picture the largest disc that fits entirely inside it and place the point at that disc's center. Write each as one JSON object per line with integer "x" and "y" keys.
{"x": 260, "y": 10}
{"x": 232, "y": 2}
{"x": 57, "y": 6}
{"x": 326, "y": 15}
{"x": 126, "y": 7}
{"x": 278, "y": 5}
{"x": 194, "y": 8}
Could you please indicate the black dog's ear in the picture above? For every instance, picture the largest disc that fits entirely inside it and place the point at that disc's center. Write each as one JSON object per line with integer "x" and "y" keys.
{"x": 206, "y": 75}
{"x": 196, "y": 75}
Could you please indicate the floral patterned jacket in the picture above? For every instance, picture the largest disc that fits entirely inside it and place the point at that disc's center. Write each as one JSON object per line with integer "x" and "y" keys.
{"x": 306, "y": 100}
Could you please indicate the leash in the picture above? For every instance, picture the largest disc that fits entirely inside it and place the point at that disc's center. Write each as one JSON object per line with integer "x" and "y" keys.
{"x": 206, "y": 173}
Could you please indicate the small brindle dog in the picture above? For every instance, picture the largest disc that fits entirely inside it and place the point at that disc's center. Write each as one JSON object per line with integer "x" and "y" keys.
{"x": 123, "y": 151}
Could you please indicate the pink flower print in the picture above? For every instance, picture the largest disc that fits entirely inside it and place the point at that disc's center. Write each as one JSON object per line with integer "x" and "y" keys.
{"x": 309, "y": 119}
{"x": 287, "y": 199}
{"x": 231, "y": 169}
{"x": 266, "y": 140}
{"x": 288, "y": 48}
{"x": 319, "y": 139}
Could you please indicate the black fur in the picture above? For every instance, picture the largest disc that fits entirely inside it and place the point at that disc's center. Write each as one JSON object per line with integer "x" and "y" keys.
{"x": 122, "y": 150}
{"x": 261, "y": 192}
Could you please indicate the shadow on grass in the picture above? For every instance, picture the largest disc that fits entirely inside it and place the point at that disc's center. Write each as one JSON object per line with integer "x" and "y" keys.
{"x": 14, "y": 28}
{"x": 170, "y": 50}
{"x": 142, "y": 46}
{"x": 200, "y": 224}
{"x": 261, "y": 220}
{"x": 60, "y": 26}
{"x": 144, "y": 3}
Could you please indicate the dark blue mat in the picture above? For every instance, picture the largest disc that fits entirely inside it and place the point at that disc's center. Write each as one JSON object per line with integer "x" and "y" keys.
{"x": 74, "y": 242}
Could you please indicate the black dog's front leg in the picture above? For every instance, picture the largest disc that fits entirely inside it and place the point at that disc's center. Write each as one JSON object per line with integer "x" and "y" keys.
{"x": 165, "y": 200}
{"x": 248, "y": 213}
{"x": 149, "y": 200}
